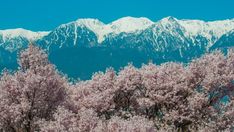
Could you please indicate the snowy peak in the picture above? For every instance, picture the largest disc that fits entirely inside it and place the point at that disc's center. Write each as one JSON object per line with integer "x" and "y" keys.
{"x": 130, "y": 24}
{"x": 210, "y": 30}
{"x": 89, "y": 22}
{"x": 168, "y": 23}
{"x": 167, "y": 20}
{"x": 19, "y": 32}
{"x": 92, "y": 24}
{"x": 126, "y": 24}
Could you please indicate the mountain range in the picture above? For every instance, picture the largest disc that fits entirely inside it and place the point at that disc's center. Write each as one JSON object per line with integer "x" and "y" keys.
{"x": 84, "y": 46}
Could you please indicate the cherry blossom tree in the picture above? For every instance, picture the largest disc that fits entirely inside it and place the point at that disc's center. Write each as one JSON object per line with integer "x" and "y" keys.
{"x": 31, "y": 93}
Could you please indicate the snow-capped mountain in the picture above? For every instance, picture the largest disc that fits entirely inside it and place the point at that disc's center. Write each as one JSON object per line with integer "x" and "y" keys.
{"x": 82, "y": 29}
{"x": 212, "y": 31}
{"x": 123, "y": 25}
{"x": 96, "y": 32}
{"x": 83, "y": 42}
{"x": 19, "y": 32}
{"x": 14, "y": 39}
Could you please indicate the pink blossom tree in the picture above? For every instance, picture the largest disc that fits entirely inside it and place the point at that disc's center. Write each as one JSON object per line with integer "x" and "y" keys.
{"x": 33, "y": 92}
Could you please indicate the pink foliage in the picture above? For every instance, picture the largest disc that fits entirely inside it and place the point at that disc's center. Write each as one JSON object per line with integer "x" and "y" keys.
{"x": 33, "y": 92}
{"x": 167, "y": 97}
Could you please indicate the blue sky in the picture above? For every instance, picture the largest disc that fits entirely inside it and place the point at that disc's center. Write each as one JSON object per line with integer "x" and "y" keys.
{"x": 48, "y": 14}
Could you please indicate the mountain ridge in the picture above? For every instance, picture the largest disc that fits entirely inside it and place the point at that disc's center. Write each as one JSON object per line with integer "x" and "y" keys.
{"x": 83, "y": 42}
{"x": 122, "y": 21}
